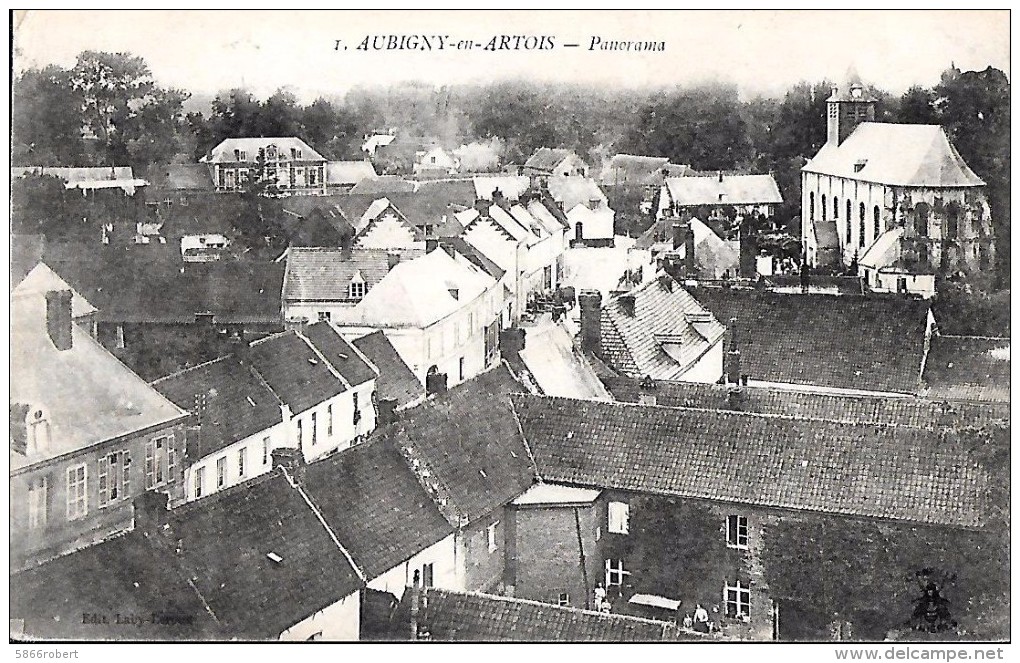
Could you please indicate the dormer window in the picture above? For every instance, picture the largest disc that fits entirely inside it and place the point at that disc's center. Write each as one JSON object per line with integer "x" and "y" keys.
{"x": 856, "y": 92}
{"x": 241, "y": 155}
{"x": 357, "y": 287}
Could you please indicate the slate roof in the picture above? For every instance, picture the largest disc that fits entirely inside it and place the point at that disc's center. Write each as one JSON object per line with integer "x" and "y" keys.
{"x": 294, "y": 371}
{"x": 633, "y": 169}
{"x": 127, "y": 575}
{"x": 323, "y": 274}
{"x": 663, "y": 336}
{"x": 475, "y": 617}
{"x": 842, "y": 341}
{"x": 375, "y": 505}
{"x": 237, "y": 403}
{"x": 180, "y": 177}
{"x": 384, "y": 184}
{"x": 884, "y": 251}
{"x": 712, "y": 254}
{"x": 225, "y": 539}
{"x": 433, "y": 200}
{"x": 880, "y": 410}
{"x": 546, "y": 158}
{"x": 349, "y": 362}
{"x": 468, "y": 441}
{"x": 968, "y": 368}
{"x": 898, "y": 473}
{"x": 896, "y": 154}
{"x": 474, "y": 256}
{"x": 224, "y": 152}
{"x": 87, "y": 394}
{"x": 340, "y": 173}
{"x": 396, "y": 381}
{"x": 735, "y": 190}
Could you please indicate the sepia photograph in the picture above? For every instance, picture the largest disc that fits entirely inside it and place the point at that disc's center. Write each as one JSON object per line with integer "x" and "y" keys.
{"x": 554, "y": 326}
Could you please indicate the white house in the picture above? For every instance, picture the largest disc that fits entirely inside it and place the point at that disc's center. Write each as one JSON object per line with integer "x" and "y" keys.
{"x": 547, "y": 161}
{"x": 309, "y": 390}
{"x": 745, "y": 194}
{"x": 587, "y": 210}
{"x": 884, "y": 269}
{"x": 383, "y": 226}
{"x": 289, "y": 163}
{"x": 436, "y": 160}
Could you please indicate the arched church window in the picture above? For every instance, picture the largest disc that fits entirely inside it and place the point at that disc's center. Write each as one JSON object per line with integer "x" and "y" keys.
{"x": 824, "y": 208}
{"x": 921, "y": 213}
{"x": 953, "y": 213}
{"x": 811, "y": 205}
{"x": 835, "y": 207}
{"x": 862, "y": 230}
{"x": 878, "y": 221}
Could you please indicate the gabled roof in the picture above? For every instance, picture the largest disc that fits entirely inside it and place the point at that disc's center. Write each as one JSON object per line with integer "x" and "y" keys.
{"x": 473, "y": 617}
{"x": 224, "y": 152}
{"x": 841, "y": 341}
{"x": 128, "y": 575}
{"x": 571, "y": 191}
{"x": 349, "y": 172}
{"x": 396, "y": 381}
{"x": 546, "y": 158}
{"x": 552, "y": 223}
{"x": 887, "y": 472}
{"x": 41, "y": 279}
{"x": 466, "y": 446}
{"x": 375, "y": 505}
{"x": 322, "y": 274}
{"x": 26, "y": 252}
{"x": 382, "y": 208}
{"x": 968, "y": 368}
{"x": 879, "y": 410}
{"x": 732, "y": 190}
{"x": 430, "y": 202}
{"x": 712, "y": 254}
{"x": 417, "y": 293}
{"x": 353, "y": 366}
{"x": 473, "y": 255}
{"x": 511, "y": 186}
{"x": 510, "y": 225}
{"x": 632, "y": 169}
{"x": 897, "y": 155}
{"x": 236, "y": 403}
{"x": 226, "y": 539}
{"x": 884, "y": 251}
{"x": 657, "y": 330}
{"x": 295, "y": 371}
{"x": 87, "y": 395}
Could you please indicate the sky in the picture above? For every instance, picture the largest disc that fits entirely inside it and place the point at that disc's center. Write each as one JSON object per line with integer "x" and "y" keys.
{"x": 760, "y": 51}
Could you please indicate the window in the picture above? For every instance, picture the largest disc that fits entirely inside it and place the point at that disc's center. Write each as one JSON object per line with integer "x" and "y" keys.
{"x": 426, "y": 575}
{"x": 114, "y": 477}
{"x": 598, "y": 533}
{"x": 221, "y": 472}
{"x": 849, "y": 210}
{"x": 619, "y": 517}
{"x": 315, "y": 429}
{"x": 835, "y": 207}
{"x": 737, "y": 599}
{"x": 77, "y": 497}
{"x": 490, "y": 534}
{"x": 615, "y": 574}
{"x": 849, "y": 228}
{"x": 878, "y": 221}
{"x": 824, "y": 208}
{"x": 242, "y": 155}
{"x": 160, "y": 462}
{"x": 811, "y": 205}
{"x": 242, "y": 457}
{"x": 199, "y": 482}
{"x": 736, "y": 532}
{"x": 357, "y": 409}
{"x": 460, "y": 365}
{"x": 861, "y": 213}
{"x": 300, "y": 432}
{"x": 953, "y": 213}
{"x": 921, "y": 211}
{"x": 329, "y": 420}
{"x": 564, "y": 599}
{"x": 265, "y": 451}
{"x": 38, "y": 497}
{"x": 357, "y": 289}
{"x": 325, "y": 316}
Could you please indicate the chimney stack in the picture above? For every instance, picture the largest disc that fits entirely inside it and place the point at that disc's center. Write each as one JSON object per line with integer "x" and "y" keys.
{"x": 690, "y": 267}
{"x": 720, "y": 176}
{"x": 58, "y": 319}
{"x": 415, "y": 592}
{"x": 678, "y": 235}
{"x": 291, "y": 461}
{"x": 431, "y": 244}
{"x": 733, "y": 356}
{"x": 482, "y": 206}
{"x": 734, "y": 397}
{"x": 392, "y": 259}
{"x": 590, "y": 303}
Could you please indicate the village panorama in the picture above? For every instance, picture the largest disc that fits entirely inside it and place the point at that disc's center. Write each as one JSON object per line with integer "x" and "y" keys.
{"x": 509, "y": 361}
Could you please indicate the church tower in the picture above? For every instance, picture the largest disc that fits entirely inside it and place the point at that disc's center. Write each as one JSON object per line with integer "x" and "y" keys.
{"x": 847, "y": 108}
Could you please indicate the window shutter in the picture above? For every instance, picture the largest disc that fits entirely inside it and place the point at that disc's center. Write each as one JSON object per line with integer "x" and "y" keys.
{"x": 126, "y": 474}
{"x": 104, "y": 480}
{"x": 150, "y": 448}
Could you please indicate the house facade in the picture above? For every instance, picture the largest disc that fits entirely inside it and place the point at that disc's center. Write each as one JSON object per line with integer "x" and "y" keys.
{"x": 870, "y": 178}
{"x": 719, "y": 196}
{"x": 546, "y": 162}
{"x": 288, "y": 163}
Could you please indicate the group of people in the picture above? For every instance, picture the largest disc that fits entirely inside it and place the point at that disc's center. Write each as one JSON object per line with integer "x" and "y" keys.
{"x": 699, "y": 622}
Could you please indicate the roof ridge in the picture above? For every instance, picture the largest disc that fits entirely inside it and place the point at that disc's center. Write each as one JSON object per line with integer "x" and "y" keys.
{"x": 190, "y": 368}
{"x": 975, "y": 337}
{"x": 329, "y": 365}
{"x": 325, "y": 525}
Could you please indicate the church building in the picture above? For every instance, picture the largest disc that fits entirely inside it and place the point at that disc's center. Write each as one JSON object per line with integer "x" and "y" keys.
{"x": 897, "y": 200}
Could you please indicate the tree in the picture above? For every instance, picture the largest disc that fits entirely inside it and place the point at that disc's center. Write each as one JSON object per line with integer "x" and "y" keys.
{"x": 917, "y": 106}
{"x": 258, "y": 225}
{"x": 40, "y": 205}
{"x": 331, "y": 131}
{"x": 46, "y": 120}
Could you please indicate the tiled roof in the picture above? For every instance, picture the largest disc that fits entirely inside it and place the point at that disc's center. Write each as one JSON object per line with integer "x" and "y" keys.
{"x": 180, "y": 177}
{"x": 843, "y": 341}
{"x": 321, "y": 274}
{"x": 474, "y": 256}
{"x": 889, "y": 472}
{"x": 294, "y": 371}
{"x": 732, "y": 190}
{"x": 236, "y": 402}
{"x": 469, "y": 442}
{"x": 712, "y": 254}
{"x": 375, "y": 505}
{"x": 349, "y": 172}
{"x": 128, "y": 575}
{"x": 224, "y": 152}
{"x": 460, "y": 616}
{"x": 396, "y": 381}
{"x": 345, "y": 358}
{"x": 431, "y": 201}
{"x": 658, "y": 336}
{"x": 896, "y": 154}
{"x": 86, "y": 394}
{"x": 546, "y": 158}
{"x": 906, "y": 411}
{"x": 632, "y": 169}
{"x": 226, "y": 539}
{"x": 968, "y": 368}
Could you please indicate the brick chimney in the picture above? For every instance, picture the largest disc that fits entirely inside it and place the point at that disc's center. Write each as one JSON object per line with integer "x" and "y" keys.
{"x": 590, "y": 302}
{"x": 482, "y": 206}
{"x": 291, "y": 461}
{"x": 58, "y": 319}
{"x": 414, "y": 591}
{"x": 733, "y": 356}
{"x": 734, "y": 396}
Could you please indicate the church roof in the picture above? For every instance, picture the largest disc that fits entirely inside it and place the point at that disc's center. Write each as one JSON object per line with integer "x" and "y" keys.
{"x": 897, "y": 155}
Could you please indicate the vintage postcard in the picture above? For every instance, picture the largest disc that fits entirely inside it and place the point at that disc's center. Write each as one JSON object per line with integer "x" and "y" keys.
{"x": 511, "y": 326}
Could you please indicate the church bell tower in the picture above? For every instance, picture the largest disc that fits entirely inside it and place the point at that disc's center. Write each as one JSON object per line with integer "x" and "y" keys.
{"x": 848, "y": 107}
